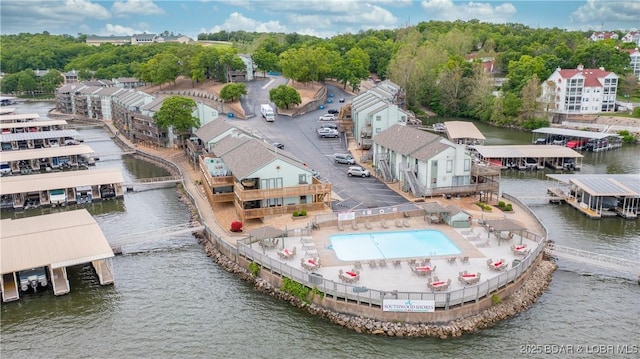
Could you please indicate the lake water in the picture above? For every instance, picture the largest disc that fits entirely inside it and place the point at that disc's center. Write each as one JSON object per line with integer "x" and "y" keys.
{"x": 170, "y": 300}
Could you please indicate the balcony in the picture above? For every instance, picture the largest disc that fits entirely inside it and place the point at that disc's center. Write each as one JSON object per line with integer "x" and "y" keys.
{"x": 315, "y": 189}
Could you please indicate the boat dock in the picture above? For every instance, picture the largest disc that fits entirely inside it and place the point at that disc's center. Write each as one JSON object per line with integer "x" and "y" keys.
{"x": 575, "y": 139}
{"x": 60, "y": 188}
{"x": 36, "y": 251}
{"x": 529, "y": 157}
{"x": 600, "y": 195}
{"x": 464, "y": 133}
{"x": 47, "y": 159}
{"x": 19, "y": 117}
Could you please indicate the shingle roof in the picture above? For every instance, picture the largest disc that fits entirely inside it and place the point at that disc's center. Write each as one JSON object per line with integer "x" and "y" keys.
{"x": 591, "y": 76}
{"x": 212, "y": 130}
{"x": 227, "y": 144}
{"x": 412, "y": 142}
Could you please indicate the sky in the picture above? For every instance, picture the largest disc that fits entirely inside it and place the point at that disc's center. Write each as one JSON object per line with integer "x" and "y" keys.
{"x": 323, "y": 18}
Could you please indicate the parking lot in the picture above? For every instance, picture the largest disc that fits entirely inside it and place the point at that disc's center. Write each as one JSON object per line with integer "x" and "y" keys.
{"x": 300, "y": 138}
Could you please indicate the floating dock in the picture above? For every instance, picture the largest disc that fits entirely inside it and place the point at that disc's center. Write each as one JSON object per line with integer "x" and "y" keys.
{"x": 36, "y": 251}
{"x": 575, "y": 139}
{"x": 464, "y": 133}
{"x": 601, "y": 195}
{"x": 529, "y": 157}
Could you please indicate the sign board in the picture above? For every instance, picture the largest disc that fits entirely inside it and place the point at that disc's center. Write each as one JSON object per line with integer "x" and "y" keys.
{"x": 346, "y": 216}
{"x": 399, "y": 305}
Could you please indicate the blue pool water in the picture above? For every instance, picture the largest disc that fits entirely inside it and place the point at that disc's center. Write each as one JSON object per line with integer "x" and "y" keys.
{"x": 390, "y": 245}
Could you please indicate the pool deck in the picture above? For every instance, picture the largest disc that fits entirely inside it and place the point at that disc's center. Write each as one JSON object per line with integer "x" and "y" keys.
{"x": 401, "y": 278}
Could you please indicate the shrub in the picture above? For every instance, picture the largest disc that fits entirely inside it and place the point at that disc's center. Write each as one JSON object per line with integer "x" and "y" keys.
{"x": 303, "y": 213}
{"x": 294, "y": 288}
{"x": 501, "y": 204}
{"x": 295, "y": 213}
{"x": 509, "y": 207}
{"x": 236, "y": 226}
{"x": 254, "y": 268}
{"x": 495, "y": 299}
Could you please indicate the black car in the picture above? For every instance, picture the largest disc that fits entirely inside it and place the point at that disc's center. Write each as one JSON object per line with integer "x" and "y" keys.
{"x": 278, "y": 145}
{"x": 333, "y": 111}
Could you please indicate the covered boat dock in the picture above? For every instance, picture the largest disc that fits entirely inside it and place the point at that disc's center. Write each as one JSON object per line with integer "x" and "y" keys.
{"x": 33, "y": 126}
{"x": 60, "y": 188}
{"x": 602, "y": 195}
{"x": 47, "y": 159}
{"x": 19, "y": 117}
{"x": 464, "y": 133}
{"x": 31, "y": 140}
{"x": 36, "y": 252}
{"x": 575, "y": 139}
{"x": 529, "y": 157}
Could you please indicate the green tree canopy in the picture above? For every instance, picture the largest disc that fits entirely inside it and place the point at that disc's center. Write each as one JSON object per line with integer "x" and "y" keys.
{"x": 233, "y": 91}
{"x": 284, "y": 96}
{"x": 176, "y": 112}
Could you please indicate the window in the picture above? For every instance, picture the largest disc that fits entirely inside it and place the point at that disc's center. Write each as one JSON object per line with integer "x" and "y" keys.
{"x": 302, "y": 178}
{"x": 403, "y": 118}
{"x": 467, "y": 165}
{"x": 449, "y": 166}
{"x": 378, "y": 118}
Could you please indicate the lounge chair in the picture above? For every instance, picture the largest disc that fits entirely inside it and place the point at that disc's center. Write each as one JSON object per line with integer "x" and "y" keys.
{"x": 354, "y": 225}
{"x": 452, "y": 260}
{"x": 357, "y": 265}
{"x": 425, "y": 262}
{"x": 464, "y": 259}
{"x": 411, "y": 262}
{"x": 405, "y": 222}
{"x": 372, "y": 264}
{"x": 399, "y": 223}
{"x": 367, "y": 224}
{"x": 384, "y": 224}
{"x": 382, "y": 263}
{"x": 397, "y": 264}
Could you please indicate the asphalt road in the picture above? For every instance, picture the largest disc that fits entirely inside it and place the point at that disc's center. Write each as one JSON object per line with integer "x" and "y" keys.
{"x": 299, "y": 136}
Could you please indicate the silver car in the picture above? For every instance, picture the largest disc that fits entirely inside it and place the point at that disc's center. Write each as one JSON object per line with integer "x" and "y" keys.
{"x": 344, "y": 159}
{"x": 358, "y": 171}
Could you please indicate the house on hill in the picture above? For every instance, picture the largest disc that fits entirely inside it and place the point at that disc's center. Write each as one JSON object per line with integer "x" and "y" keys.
{"x": 603, "y": 35}
{"x": 581, "y": 91}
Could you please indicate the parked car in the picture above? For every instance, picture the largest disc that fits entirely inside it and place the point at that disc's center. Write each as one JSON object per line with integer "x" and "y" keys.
{"x": 341, "y": 99}
{"x": 327, "y": 117}
{"x": 327, "y": 132}
{"x": 333, "y": 111}
{"x": 358, "y": 171}
{"x": 541, "y": 141}
{"x": 329, "y": 125}
{"x": 344, "y": 158}
{"x": 278, "y": 145}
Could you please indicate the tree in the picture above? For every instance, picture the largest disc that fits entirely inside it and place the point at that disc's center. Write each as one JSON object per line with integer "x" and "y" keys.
{"x": 10, "y": 83}
{"x": 27, "y": 82}
{"x": 233, "y": 91}
{"x": 284, "y": 96}
{"x": 522, "y": 70}
{"x": 355, "y": 67}
{"x": 51, "y": 80}
{"x": 176, "y": 112}
{"x": 530, "y": 92}
{"x": 265, "y": 61}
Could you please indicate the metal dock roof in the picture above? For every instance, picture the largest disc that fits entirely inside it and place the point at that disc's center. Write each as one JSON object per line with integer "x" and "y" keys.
{"x": 574, "y": 133}
{"x": 40, "y": 135}
{"x": 56, "y": 240}
{"x": 23, "y": 155}
{"x": 7, "y": 125}
{"x": 18, "y": 116}
{"x": 463, "y": 129}
{"x": 627, "y": 185}
{"x": 524, "y": 151}
{"x": 69, "y": 179}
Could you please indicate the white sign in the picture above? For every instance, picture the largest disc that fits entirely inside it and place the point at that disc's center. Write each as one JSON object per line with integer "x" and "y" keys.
{"x": 346, "y": 216}
{"x": 399, "y": 305}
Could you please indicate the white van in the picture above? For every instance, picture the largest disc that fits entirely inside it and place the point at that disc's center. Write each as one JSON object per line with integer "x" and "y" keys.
{"x": 267, "y": 112}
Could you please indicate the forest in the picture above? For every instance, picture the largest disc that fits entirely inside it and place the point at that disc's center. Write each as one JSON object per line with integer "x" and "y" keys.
{"x": 438, "y": 63}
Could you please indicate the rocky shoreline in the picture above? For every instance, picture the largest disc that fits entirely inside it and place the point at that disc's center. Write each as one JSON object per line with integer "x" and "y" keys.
{"x": 518, "y": 302}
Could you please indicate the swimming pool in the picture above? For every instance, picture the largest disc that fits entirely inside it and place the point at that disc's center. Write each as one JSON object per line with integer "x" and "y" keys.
{"x": 387, "y": 245}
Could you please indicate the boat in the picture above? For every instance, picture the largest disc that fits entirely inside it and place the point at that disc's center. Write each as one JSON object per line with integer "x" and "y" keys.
{"x": 33, "y": 279}
{"x": 439, "y": 127}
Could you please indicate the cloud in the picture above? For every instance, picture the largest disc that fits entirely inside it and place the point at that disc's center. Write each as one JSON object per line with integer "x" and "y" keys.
{"x": 237, "y": 21}
{"x": 358, "y": 15}
{"x": 596, "y": 14}
{"x": 136, "y": 8}
{"x": 52, "y": 16}
{"x": 118, "y": 30}
{"x": 483, "y": 11}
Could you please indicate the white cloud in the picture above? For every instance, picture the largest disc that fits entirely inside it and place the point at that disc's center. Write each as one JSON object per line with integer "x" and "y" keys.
{"x": 136, "y": 8}
{"x": 483, "y": 11}
{"x": 52, "y": 16}
{"x": 237, "y": 21}
{"x": 596, "y": 14}
{"x": 360, "y": 15}
{"x": 118, "y": 30}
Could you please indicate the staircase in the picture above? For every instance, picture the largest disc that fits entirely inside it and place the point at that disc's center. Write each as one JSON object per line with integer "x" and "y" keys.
{"x": 413, "y": 182}
{"x": 367, "y": 156}
{"x": 383, "y": 166}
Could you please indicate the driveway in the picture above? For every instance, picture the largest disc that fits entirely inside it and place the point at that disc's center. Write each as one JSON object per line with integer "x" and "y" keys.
{"x": 299, "y": 136}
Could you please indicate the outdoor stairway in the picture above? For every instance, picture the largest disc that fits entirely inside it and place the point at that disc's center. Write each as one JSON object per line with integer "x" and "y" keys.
{"x": 367, "y": 156}
{"x": 386, "y": 172}
{"x": 413, "y": 182}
